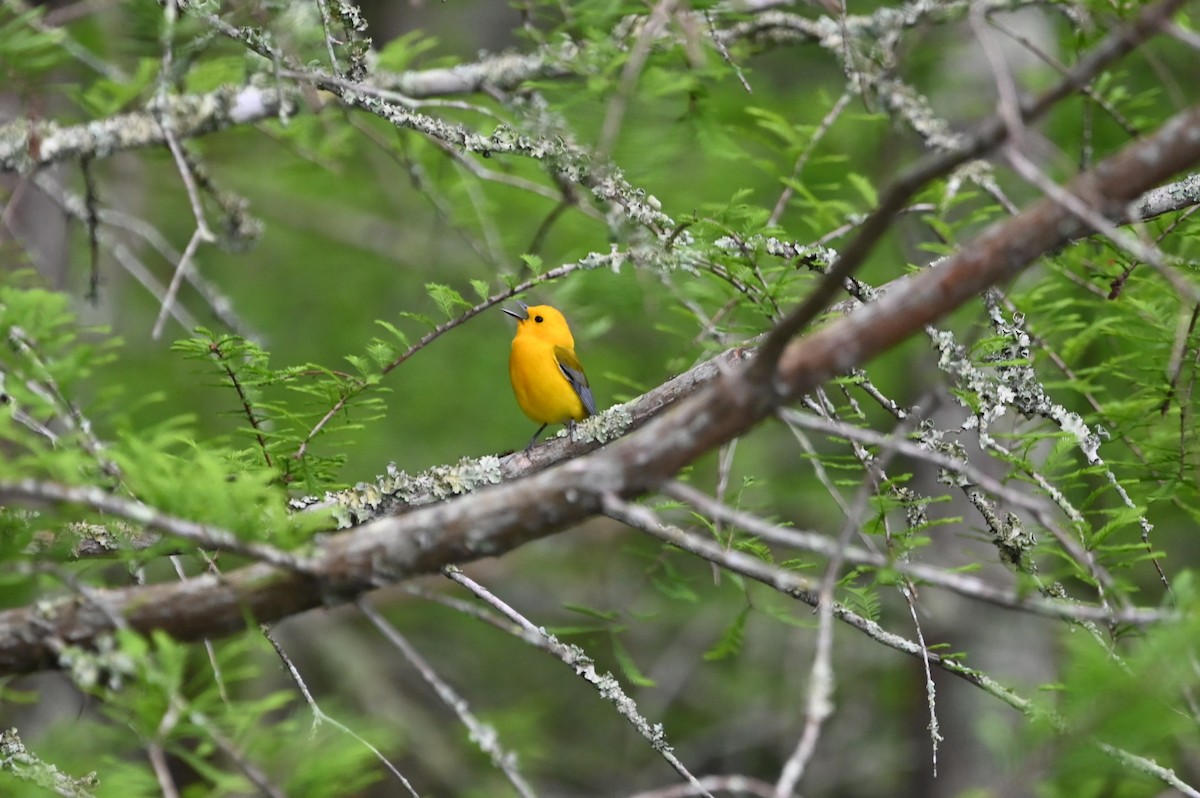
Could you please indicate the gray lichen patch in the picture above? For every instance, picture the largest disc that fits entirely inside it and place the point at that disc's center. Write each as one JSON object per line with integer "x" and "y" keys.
{"x": 397, "y": 489}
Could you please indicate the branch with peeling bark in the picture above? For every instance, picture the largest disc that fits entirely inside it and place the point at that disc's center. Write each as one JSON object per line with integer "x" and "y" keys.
{"x": 495, "y": 520}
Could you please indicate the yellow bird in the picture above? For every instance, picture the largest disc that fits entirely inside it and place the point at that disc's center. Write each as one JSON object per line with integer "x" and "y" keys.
{"x": 547, "y": 377}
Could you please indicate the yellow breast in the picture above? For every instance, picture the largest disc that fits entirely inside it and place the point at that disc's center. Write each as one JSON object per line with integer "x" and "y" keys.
{"x": 542, "y": 390}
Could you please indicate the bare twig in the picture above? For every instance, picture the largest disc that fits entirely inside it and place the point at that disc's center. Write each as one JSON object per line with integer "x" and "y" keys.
{"x": 947, "y": 579}
{"x": 1187, "y": 290}
{"x": 75, "y": 206}
{"x": 909, "y": 449}
{"x": 320, "y": 717}
{"x": 819, "y": 691}
{"x": 734, "y": 785}
{"x": 329, "y": 41}
{"x": 201, "y": 233}
{"x": 481, "y": 734}
{"x": 590, "y": 262}
{"x": 162, "y": 771}
{"x": 724, "y": 51}
{"x": 988, "y": 134}
{"x": 168, "y": 300}
{"x": 635, "y": 62}
{"x": 605, "y": 683}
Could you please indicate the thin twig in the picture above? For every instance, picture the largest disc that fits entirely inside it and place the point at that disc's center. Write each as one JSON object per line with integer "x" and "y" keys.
{"x": 946, "y": 579}
{"x": 247, "y": 407}
{"x": 67, "y": 411}
{"x": 635, "y": 62}
{"x": 162, "y": 771}
{"x": 202, "y": 232}
{"x": 360, "y": 385}
{"x": 209, "y": 648}
{"x": 895, "y": 196}
{"x": 789, "y": 190}
{"x": 329, "y": 41}
{"x": 319, "y": 715}
{"x": 608, "y": 687}
{"x": 841, "y": 429}
{"x": 734, "y": 785}
{"x": 481, "y": 734}
{"x": 724, "y": 51}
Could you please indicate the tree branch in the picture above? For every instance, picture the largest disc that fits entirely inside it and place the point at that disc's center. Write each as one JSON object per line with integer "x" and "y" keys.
{"x": 26, "y": 144}
{"x": 987, "y": 135}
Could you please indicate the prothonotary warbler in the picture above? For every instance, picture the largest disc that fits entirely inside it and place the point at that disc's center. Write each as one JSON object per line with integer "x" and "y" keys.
{"x": 546, "y": 375}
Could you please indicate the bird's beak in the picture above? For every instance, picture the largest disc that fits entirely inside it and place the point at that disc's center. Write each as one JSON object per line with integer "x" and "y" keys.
{"x": 519, "y": 315}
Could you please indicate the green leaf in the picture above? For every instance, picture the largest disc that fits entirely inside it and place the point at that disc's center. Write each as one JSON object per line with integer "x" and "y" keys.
{"x": 395, "y": 332}
{"x": 674, "y": 588}
{"x": 447, "y": 299}
{"x": 211, "y": 74}
{"x": 864, "y": 188}
{"x": 628, "y": 666}
{"x": 400, "y": 52}
{"x": 730, "y": 643}
{"x": 534, "y": 262}
{"x": 419, "y": 317}
{"x": 482, "y": 289}
{"x": 862, "y": 600}
{"x": 604, "y": 615}
{"x": 105, "y": 97}
{"x": 25, "y": 49}
{"x": 671, "y": 583}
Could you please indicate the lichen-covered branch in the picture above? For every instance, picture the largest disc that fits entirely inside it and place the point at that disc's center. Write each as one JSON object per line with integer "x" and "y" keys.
{"x": 26, "y": 145}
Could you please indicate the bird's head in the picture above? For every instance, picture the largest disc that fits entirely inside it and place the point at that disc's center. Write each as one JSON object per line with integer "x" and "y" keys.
{"x": 542, "y": 322}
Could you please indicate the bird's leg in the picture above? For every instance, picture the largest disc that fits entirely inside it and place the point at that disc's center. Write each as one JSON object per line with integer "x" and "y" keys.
{"x": 533, "y": 440}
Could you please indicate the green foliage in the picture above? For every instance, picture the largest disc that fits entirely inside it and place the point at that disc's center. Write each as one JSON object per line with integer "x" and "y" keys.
{"x": 1073, "y": 387}
{"x": 628, "y": 666}
{"x": 282, "y": 433}
{"x": 219, "y": 488}
{"x": 44, "y": 362}
{"x": 730, "y": 643}
{"x": 28, "y": 48}
{"x": 864, "y": 600}
{"x": 533, "y": 263}
{"x": 401, "y": 52}
{"x": 213, "y": 73}
{"x": 109, "y": 96}
{"x": 1128, "y": 700}
{"x": 196, "y": 709}
{"x": 481, "y": 288}
{"x": 449, "y": 301}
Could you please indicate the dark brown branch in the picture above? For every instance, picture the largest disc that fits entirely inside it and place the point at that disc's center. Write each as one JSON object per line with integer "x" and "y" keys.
{"x": 988, "y": 134}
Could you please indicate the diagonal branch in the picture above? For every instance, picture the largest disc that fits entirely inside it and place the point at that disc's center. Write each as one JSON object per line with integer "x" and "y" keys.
{"x": 988, "y": 134}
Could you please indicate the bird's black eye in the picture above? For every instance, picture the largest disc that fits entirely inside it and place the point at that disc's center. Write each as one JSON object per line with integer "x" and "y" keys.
{"x": 538, "y": 319}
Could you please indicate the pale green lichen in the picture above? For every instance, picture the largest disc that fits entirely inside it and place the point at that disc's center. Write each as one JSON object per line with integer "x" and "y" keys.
{"x": 604, "y": 427}
{"x": 105, "y": 665}
{"x": 397, "y": 489}
{"x": 16, "y": 759}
